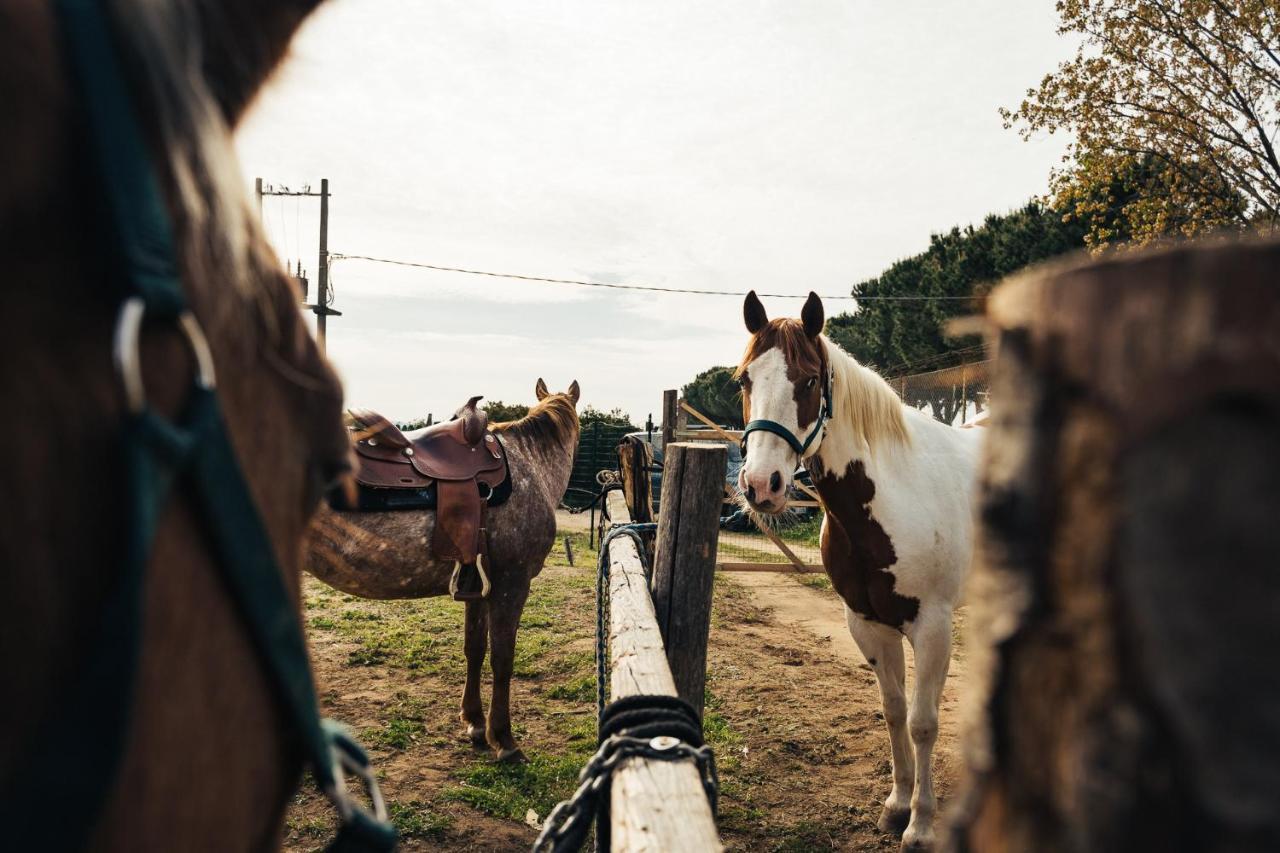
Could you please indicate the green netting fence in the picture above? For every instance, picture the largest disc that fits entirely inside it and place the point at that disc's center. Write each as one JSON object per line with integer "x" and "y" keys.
{"x": 597, "y": 451}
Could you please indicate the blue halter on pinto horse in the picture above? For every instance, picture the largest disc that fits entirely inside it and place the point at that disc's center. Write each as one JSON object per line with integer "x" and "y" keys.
{"x": 167, "y": 698}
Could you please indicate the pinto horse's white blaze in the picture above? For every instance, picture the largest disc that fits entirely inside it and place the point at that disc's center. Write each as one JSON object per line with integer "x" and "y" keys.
{"x": 897, "y": 539}
{"x": 765, "y": 477}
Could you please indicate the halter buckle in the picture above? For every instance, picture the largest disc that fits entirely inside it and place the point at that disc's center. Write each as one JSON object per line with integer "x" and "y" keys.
{"x": 128, "y": 358}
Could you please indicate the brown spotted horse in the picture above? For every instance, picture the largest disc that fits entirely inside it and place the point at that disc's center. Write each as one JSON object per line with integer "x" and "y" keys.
{"x": 897, "y": 538}
{"x": 390, "y": 553}
{"x": 171, "y": 429}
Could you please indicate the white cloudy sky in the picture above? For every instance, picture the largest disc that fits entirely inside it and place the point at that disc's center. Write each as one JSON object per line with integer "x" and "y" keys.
{"x": 786, "y": 146}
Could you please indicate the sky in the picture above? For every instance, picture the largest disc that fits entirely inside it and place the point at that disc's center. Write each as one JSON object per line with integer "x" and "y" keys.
{"x": 783, "y": 146}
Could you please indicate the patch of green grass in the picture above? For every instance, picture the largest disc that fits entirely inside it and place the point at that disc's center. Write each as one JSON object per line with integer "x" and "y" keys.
{"x": 322, "y": 623}
{"x": 314, "y": 827}
{"x": 580, "y": 689}
{"x": 532, "y": 646}
{"x": 815, "y": 580}
{"x": 407, "y": 647}
{"x": 510, "y": 790}
{"x": 578, "y": 728}
{"x": 805, "y": 837}
{"x": 735, "y": 817}
{"x": 717, "y": 732}
{"x": 806, "y": 532}
{"x": 361, "y": 616}
{"x": 403, "y": 727}
{"x": 415, "y": 819}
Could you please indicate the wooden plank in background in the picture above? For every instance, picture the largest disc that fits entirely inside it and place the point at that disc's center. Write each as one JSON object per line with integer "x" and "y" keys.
{"x": 785, "y": 568}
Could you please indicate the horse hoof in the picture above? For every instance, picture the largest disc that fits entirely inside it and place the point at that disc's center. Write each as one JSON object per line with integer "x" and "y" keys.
{"x": 475, "y": 734}
{"x": 512, "y": 756}
{"x": 894, "y": 821}
{"x": 918, "y": 843}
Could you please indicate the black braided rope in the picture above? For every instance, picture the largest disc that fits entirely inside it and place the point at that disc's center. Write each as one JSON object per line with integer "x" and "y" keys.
{"x": 629, "y": 727}
{"x": 651, "y": 716}
{"x": 662, "y": 728}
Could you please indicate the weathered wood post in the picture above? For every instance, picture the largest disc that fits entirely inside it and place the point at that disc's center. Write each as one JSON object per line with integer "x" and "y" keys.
{"x": 684, "y": 567}
{"x": 635, "y": 460}
{"x": 654, "y": 806}
{"x": 1127, "y": 593}
{"x": 670, "y": 414}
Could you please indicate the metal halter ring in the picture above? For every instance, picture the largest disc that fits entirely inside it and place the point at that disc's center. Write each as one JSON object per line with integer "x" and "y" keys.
{"x": 350, "y": 759}
{"x": 128, "y": 359}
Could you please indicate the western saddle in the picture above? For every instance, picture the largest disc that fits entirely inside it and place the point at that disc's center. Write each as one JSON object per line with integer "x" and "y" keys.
{"x": 457, "y": 467}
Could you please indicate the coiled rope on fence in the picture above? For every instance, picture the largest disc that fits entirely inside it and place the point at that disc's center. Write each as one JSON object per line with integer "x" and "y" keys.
{"x": 661, "y": 728}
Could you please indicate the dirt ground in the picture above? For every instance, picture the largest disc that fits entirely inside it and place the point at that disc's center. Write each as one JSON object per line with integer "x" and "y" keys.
{"x": 793, "y": 713}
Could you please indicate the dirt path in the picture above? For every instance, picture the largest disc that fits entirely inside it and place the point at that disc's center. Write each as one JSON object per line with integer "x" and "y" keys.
{"x": 819, "y": 612}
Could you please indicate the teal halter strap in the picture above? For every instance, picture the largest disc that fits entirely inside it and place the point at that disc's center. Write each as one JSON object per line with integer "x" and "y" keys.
{"x": 73, "y": 764}
{"x": 764, "y": 425}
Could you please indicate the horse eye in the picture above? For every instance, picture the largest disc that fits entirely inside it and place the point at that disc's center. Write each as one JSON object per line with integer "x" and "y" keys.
{"x": 813, "y": 381}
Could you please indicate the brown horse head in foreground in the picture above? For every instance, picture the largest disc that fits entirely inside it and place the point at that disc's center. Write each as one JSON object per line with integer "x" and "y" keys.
{"x": 209, "y": 763}
{"x": 385, "y": 555}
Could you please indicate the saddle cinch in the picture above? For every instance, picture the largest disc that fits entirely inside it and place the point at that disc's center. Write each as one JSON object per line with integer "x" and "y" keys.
{"x": 457, "y": 468}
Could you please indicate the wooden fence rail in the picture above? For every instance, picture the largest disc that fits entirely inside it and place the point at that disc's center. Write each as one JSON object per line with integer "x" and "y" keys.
{"x": 655, "y": 806}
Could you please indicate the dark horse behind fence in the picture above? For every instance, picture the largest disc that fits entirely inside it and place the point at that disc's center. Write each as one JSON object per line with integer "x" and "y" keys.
{"x": 386, "y": 555}
{"x": 152, "y": 521}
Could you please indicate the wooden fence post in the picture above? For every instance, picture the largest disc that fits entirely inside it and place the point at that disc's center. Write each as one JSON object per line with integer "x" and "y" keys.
{"x": 635, "y": 459}
{"x": 669, "y": 417}
{"x": 685, "y": 565}
{"x": 1126, "y": 591}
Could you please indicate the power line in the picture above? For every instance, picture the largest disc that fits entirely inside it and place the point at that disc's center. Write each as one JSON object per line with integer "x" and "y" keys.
{"x": 337, "y": 256}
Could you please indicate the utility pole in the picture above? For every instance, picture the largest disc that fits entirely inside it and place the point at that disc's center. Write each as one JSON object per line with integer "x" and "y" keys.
{"x": 322, "y": 268}
{"x": 320, "y": 307}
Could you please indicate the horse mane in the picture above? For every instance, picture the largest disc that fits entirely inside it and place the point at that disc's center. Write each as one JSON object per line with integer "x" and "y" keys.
{"x": 554, "y": 418}
{"x": 861, "y": 397}
{"x": 214, "y": 229}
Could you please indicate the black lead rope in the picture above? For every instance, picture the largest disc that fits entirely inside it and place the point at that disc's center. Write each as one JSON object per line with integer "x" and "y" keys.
{"x": 661, "y": 728}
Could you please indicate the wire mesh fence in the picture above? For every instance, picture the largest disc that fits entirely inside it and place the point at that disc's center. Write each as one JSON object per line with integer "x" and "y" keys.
{"x": 798, "y": 531}
{"x": 954, "y": 395}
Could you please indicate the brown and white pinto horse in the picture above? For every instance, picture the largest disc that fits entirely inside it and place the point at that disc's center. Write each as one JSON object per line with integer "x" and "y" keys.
{"x": 897, "y": 538}
{"x": 210, "y": 761}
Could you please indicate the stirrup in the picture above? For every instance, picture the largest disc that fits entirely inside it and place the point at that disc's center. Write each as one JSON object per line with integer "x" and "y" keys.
{"x": 485, "y": 586}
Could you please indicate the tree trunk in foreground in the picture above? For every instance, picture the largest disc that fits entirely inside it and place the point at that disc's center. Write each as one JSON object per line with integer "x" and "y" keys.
{"x": 1127, "y": 594}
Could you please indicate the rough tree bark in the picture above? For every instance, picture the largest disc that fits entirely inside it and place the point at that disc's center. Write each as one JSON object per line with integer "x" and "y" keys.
{"x": 1127, "y": 594}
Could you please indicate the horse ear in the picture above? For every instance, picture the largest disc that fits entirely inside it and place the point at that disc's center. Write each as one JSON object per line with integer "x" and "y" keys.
{"x": 811, "y": 315}
{"x": 753, "y": 313}
{"x": 540, "y": 390}
{"x": 243, "y": 42}
{"x": 575, "y": 392}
